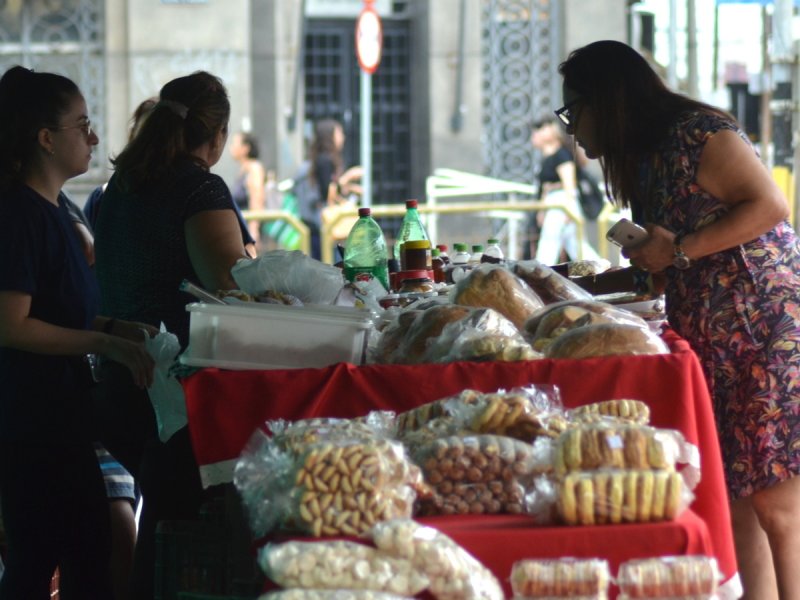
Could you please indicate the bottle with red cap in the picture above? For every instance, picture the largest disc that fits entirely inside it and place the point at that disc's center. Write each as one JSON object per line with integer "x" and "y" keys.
{"x": 411, "y": 229}
{"x": 365, "y": 253}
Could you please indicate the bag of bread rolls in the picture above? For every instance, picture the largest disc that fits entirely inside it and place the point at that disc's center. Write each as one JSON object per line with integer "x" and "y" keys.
{"x": 454, "y": 574}
{"x": 553, "y": 320}
{"x": 606, "y": 339}
{"x": 494, "y": 286}
{"x": 621, "y": 496}
{"x": 339, "y": 565}
{"x": 669, "y": 577}
{"x": 548, "y": 285}
{"x": 390, "y": 338}
{"x": 424, "y": 330}
{"x": 560, "y": 578}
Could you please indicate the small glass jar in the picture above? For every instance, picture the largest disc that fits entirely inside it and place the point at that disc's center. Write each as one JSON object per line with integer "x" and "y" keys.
{"x": 420, "y": 285}
{"x": 415, "y": 255}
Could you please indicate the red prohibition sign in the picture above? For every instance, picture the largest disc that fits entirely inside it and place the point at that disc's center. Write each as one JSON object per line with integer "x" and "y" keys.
{"x": 369, "y": 39}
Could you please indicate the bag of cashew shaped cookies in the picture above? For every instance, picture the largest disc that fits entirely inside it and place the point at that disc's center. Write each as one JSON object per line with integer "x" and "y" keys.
{"x": 332, "y": 487}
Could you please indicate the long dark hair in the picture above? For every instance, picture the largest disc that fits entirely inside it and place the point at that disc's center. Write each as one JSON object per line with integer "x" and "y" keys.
{"x": 323, "y": 143}
{"x": 633, "y": 109}
{"x": 29, "y": 101}
{"x": 190, "y": 111}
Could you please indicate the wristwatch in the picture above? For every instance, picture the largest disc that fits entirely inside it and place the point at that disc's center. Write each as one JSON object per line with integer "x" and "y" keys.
{"x": 680, "y": 261}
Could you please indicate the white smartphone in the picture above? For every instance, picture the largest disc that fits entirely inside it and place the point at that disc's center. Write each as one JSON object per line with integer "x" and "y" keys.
{"x": 626, "y": 234}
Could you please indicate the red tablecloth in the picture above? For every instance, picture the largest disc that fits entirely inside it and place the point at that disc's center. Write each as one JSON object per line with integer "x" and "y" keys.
{"x": 225, "y": 407}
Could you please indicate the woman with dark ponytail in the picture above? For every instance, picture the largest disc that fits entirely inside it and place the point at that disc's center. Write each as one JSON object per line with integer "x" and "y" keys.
{"x": 52, "y": 495}
{"x": 165, "y": 218}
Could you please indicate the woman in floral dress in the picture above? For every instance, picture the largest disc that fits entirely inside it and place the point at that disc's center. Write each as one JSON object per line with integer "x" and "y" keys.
{"x": 731, "y": 261}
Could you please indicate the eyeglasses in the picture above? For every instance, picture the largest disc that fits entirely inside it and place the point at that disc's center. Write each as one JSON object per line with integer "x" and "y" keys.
{"x": 85, "y": 127}
{"x": 565, "y": 114}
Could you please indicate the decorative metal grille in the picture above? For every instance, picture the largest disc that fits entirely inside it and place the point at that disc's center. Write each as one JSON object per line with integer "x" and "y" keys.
{"x": 332, "y": 80}
{"x": 520, "y": 52}
{"x": 64, "y": 37}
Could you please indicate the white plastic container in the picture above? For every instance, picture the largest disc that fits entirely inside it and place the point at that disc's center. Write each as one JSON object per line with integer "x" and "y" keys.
{"x": 275, "y": 336}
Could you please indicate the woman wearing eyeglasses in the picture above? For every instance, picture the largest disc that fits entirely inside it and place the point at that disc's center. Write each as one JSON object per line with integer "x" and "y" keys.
{"x": 719, "y": 234}
{"x": 52, "y": 495}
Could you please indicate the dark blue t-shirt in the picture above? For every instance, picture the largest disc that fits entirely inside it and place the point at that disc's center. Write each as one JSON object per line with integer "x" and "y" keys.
{"x": 44, "y": 397}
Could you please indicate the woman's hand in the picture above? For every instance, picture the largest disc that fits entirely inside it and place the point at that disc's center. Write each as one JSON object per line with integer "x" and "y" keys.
{"x": 134, "y": 356}
{"x": 133, "y": 331}
{"x": 654, "y": 254}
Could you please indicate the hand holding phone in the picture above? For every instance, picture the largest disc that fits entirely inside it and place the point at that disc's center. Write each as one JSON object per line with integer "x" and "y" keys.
{"x": 626, "y": 234}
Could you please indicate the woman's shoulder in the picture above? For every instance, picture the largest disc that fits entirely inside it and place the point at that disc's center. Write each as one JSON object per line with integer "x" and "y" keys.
{"x": 700, "y": 124}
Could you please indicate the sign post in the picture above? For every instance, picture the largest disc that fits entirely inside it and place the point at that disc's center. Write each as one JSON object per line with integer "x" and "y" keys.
{"x": 369, "y": 44}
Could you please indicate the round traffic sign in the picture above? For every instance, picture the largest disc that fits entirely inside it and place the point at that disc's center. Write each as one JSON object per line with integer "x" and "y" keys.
{"x": 369, "y": 39}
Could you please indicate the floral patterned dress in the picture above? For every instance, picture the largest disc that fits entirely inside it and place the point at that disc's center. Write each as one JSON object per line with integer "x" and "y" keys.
{"x": 740, "y": 311}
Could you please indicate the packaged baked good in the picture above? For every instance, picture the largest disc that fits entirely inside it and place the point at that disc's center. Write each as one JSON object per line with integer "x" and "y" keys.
{"x": 548, "y": 285}
{"x": 617, "y": 446}
{"x": 303, "y": 594}
{"x": 607, "y": 339}
{"x": 494, "y": 286}
{"x": 669, "y": 577}
{"x": 560, "y": 578}
{"x": 296, "y": 435}
{"x": 424, "y": 329}
{"x": 334, "y": 487}
{"x": 627, "y": 410}
{"x": 417, "y": 417}
{"x": 583, "y": 268}
{"x": 553, "y": 320}
{"x": 391, "y": 337}
{"x": 524, "y": 413}
{"x": 454, "y": 574}
{"x": 340, "y": 565}
{"x": 476, "y": 474}
{"x": 621, "y": 496}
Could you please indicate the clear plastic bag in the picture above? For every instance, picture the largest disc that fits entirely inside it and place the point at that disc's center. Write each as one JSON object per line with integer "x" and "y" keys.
{"x": 339, "y": 565}
{"x": 477, "y": 474}
{"x": 549, "y": 285}
{"x": 289, "y": 272}
{"x": 494, "y": 286}
{"x": 606, "y": 339}
{"x": 454, "y": 574}
{"x": 669, "y": 577}
{"x": 166, "y": 392}
{"x": 302, "y": 594}
{"x": 553, "y": 320}
{"x": 425, "y": 330}
{"x": 560, "y": 578}
{"x": 626, "y": 410}
{"x": 621, "y": 496}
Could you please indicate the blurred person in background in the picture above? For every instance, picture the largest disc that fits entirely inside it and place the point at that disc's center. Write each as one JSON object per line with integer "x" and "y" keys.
{"x": 731, "y": 261}
{"x": 248, "y": 188}
{"x": 328, "y": 183}
{"x": 52, "y": 497}
{"x": 165, "y": 218}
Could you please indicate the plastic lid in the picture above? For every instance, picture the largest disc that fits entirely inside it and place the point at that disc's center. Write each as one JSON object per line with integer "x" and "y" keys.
{"x": 491, "y": 241}
{"x": 460, "y": 247}
{"x": 477, "y": 247}
{"x": 436, "y": 252}
{"x": 411, "y": 204}
{"x": 364, "y": 212}
{"x": 416, "y": 245}
{"x": 442, "y": 247}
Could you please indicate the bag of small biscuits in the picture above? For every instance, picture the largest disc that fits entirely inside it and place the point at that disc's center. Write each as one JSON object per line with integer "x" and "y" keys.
{"x": 333, "y": 487}
{"x": 303, "y": 594}
{"x": 340, "y": 565}
{"x": 583, "y": 579}
{"x": 475, "y": 474}
{"x": 685, "y": 577}
{"x": 453, "y": 573}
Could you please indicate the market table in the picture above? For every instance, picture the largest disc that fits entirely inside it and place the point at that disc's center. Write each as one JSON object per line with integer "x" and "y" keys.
{"x": 225, "y": 407}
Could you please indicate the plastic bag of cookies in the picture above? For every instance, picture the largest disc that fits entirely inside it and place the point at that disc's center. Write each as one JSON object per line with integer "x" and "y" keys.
{"x": 560, "y": 578}
{"x": 295, "y": 435}
{"x": 606, "y": 339}
{"x": 524, "y": 413}
{"x": 339, "y": 565}
{"x": 626, "y": 410}
{"x": 669, "y": 577}
{"x": 301, "y": 594}
{"x": 477, "y": 474}
{"x": 453, "y": 573}
{"x": 621, "y": 496}
{"x": 548, "y": 285}
{"x": 339, "y": 487}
